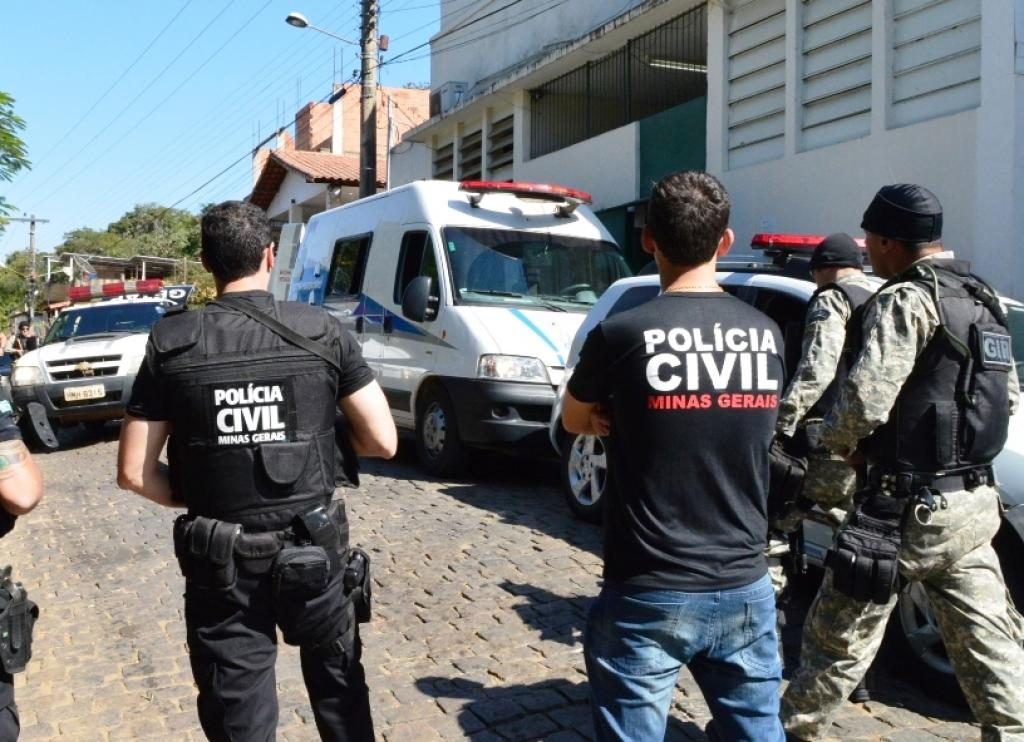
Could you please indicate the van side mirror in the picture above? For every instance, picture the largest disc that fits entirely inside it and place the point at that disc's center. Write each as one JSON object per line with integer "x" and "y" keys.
{"x": 417, "y": 302}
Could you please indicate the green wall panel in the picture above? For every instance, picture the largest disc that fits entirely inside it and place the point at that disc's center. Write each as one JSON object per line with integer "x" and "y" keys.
{"x": 672, "y": 140}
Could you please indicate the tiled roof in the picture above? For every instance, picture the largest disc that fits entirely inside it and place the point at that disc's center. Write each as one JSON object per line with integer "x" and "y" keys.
{"x": 315, "y": 167}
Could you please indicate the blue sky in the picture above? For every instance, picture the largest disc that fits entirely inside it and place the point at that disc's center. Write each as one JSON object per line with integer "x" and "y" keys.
{"x": 137, "y": 101}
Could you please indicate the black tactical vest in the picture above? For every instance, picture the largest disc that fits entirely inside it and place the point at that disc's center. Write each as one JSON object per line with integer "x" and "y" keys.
{"x": 953, "y": 411}
{"x": 252, "y": 427}
{"x": 855, "y": 296}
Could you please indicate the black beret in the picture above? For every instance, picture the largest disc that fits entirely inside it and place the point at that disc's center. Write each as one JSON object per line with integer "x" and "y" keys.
{"x": 837, "y": 250}
{"x": 904, "y": 212}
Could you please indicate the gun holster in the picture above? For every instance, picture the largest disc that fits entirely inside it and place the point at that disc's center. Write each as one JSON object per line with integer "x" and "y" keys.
{"x": 357, "y": 583}
{"x": 18, "y": 616}
{"x": 864, "y": 559}
{"x": 787, "y": 470}
{"x": 205, "y": 548}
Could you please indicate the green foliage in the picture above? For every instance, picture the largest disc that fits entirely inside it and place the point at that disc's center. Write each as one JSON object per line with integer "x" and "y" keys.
{"x": 150, "y": 229}
{"x": 13, "y": 154}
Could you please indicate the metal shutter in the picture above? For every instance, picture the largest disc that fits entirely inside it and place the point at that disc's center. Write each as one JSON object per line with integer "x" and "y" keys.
{"x": 756, "y": 88}
{"x": 836, "y": 72}
{"x": 936, "y": 63}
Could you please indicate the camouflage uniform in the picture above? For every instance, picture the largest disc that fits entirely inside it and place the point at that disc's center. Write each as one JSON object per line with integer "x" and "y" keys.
{"x": 951, "y": 556}
{"x": 830, "y": 480}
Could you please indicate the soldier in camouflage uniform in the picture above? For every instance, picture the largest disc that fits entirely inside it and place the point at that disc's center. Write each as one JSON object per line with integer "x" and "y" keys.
{"x": 950, "y": 552}
{"x": 836, "y": 267}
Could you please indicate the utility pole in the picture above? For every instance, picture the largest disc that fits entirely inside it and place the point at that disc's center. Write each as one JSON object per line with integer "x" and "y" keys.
{"x": 368, "y": 103}
{"x": 32, "y": 221}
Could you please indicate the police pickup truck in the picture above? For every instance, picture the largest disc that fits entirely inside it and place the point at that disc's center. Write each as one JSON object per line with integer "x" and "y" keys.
{"x": 85, "y": 366}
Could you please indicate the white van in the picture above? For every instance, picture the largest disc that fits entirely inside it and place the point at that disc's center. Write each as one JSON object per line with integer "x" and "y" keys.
{"x": 465, "y": 298}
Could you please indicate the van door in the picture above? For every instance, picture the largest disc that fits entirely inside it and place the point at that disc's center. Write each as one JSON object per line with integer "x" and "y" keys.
{"x": 343, "y": 295}
{"x": 407, "y": 349}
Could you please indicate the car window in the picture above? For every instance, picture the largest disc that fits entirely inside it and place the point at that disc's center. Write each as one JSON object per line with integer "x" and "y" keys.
{"x": 634, "y": 297}
{"x": 415, "y": 259}
{"x": 124, "y": 317}
{"x": 347, "y": 266}
{"x": 1016, "y": 317}
{"x": 788, "y": 313}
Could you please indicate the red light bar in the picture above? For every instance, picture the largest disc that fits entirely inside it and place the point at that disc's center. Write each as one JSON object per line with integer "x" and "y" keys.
{"x": 116, "y": 288}
{"x": 543, "y": 191}
{"x": 791, "y": 242}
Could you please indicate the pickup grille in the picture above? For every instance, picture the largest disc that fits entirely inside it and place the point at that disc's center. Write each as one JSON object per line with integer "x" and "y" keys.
{"x": 69, "y": 369}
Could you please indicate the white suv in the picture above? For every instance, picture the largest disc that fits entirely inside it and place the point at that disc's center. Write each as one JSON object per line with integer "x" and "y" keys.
{"x": 586, "y": 478}
{"x": 84, "y": 369}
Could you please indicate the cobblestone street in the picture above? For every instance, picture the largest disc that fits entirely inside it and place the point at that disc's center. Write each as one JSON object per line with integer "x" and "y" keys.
{"x": 480, "y": 597}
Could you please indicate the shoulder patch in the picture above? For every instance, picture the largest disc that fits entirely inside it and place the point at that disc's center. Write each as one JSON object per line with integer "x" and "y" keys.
{"x": 819, "y": 315}
{"x": 996, "y": 350}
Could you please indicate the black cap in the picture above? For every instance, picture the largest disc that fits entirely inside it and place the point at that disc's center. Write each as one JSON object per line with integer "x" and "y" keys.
{"x": 904, "y": 212}
{"x": 837, "y": 250}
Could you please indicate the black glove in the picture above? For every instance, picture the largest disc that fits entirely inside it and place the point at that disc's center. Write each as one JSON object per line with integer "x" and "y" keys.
{"x": 6, "y": 522}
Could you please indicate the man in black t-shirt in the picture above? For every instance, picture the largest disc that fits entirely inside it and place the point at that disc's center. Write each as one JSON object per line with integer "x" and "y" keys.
{"x": 244, "y": 391}
{"x": 686, "y": 387}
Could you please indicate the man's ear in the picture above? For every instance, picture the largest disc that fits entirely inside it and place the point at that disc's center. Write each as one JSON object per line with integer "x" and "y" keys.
{"x": 271, "y": 256}
{"x": 725, "y": 243}
{"x": 647, "y": 241}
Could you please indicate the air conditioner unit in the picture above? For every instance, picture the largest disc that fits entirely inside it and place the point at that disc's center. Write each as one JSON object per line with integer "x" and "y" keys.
{"x": 447, "y": 97}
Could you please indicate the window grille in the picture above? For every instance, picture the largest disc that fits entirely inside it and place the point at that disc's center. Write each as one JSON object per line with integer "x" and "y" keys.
{"x": 444, "y": 162}
{"x": 836, "y": 74}
{"x": 756, "y": 88}
{"x": 471, "y": 156}
{"x": 655, "y": 71}
{"x": 936, "y": 62}
{"x": 500, "y": 143}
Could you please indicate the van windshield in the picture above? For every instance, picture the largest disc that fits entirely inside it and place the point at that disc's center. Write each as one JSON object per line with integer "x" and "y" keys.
{"x": 501, "y": 266}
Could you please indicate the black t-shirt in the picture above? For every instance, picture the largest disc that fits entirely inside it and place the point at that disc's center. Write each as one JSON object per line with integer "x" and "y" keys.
{"x": 149, "y": 399}
{"x": 693, "y": 382}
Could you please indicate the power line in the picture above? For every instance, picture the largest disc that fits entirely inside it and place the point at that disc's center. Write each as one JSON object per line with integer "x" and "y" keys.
{"x": 132, "y": 102}
{"x": 163, "y": 100}
{"x": 105, "y": 93}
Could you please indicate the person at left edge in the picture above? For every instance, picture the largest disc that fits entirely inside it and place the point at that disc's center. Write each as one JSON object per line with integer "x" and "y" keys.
{"x": 250, "y": 421}
{"x": 21, "y": 487}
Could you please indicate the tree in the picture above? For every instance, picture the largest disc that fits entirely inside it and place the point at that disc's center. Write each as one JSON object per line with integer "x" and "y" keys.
{"x": 85, "y": 241}
{"x": 149, "y": 229}
{"x": 13, "y": 154}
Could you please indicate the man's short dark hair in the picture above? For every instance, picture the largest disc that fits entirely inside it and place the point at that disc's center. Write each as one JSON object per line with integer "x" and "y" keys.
{"x": 23, "y": 325}
{"x": 687, "y": 214}
{"x": 234, "y": 236}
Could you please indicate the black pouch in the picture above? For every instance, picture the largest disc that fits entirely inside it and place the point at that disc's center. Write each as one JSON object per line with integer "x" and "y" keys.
{"x": 18, "y": 616}
{"x": 309, "y": 602}
{"x": 787, "y": 472}
{"x": 864, "y": 559}
{"x": 205, "y": 549}
{"x": 358, "y": 586}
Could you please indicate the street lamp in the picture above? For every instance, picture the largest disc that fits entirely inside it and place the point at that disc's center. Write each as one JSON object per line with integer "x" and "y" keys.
{"x": 299, "y": 21}
{"x": 368, "y": 98}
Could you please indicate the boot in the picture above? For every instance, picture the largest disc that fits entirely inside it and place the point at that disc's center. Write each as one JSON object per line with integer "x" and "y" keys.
{"x": 862, "y": 693}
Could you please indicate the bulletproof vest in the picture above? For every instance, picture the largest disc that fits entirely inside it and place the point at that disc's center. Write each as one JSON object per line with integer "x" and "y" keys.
{"x": 252, "y": 437}
{"x": 855, "y": 296}
{"x": 953, "y": 410}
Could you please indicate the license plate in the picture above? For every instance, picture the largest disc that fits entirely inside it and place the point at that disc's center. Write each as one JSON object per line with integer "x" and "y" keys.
{"x": 78, "y": 393}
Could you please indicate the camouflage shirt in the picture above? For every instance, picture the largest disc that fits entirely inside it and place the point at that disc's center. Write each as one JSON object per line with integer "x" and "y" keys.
{"x": 824, "y": 335}
{"x": 898, "y": 325}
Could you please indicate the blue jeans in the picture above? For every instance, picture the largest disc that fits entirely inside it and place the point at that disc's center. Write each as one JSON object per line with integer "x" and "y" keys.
{"x": 637, "y": 640}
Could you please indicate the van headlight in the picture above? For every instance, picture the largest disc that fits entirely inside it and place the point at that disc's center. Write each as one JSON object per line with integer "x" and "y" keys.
{"x": 512, "y": 368}
{"x": 26, "y": 376}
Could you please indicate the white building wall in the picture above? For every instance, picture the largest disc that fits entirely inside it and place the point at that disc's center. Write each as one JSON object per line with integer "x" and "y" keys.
{"x": 507, "y": 38}
{"x": 409, "y": 161}
{"x": 942, "y": 113}
{"x": 607, "y": 166}
{"x": 294, "y": 190}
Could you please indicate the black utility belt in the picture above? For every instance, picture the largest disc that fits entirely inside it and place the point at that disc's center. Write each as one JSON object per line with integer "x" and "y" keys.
{"x": 910, "y": 483}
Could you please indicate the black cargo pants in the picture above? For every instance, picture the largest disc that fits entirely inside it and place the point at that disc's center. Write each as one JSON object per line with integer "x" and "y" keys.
{"x": 232, "y": 639}
{"x": 9, "y": 724}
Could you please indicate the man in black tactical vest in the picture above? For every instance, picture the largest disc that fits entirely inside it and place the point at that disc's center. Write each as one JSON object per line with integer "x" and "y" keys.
{"x": 246, "y": 390}
{"x": 21, "y": 487}
{"x": 925, "y": 408}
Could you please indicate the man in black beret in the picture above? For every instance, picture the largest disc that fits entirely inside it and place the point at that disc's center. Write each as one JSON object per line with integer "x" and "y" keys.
{"x": 925, "y": 408}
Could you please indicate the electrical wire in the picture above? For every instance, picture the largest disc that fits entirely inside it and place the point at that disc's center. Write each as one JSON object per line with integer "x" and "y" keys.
{"x": 145, "y": 89}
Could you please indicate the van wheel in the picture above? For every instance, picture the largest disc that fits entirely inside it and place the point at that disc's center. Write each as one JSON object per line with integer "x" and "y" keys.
{"x": 586, "y": 479}
{"x": 438, "y": 446}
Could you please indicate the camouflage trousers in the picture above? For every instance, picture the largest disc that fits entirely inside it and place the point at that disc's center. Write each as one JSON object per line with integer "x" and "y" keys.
{"x": 953, "y": 560}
